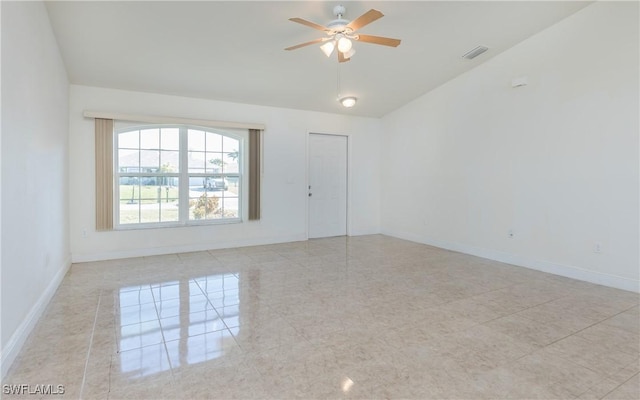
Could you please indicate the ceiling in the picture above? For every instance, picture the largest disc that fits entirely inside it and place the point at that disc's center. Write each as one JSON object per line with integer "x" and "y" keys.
{"x": 234, "y": 50}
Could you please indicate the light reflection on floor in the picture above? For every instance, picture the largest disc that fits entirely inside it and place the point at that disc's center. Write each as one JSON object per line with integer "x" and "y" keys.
{"x": 192, "y": 320}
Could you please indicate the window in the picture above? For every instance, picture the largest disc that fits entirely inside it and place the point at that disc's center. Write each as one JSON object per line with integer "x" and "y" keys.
{"x": 177, "y": 175}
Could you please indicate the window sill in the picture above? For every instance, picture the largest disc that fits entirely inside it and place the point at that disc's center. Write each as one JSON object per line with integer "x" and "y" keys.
{"x": 190, "y": 224}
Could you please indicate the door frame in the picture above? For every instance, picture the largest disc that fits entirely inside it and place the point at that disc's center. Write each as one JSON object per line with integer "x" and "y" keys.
{"x": 307, "y": 173}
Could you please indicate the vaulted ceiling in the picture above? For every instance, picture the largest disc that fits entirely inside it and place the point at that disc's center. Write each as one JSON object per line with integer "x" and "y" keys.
{"x": 234, "y": 50}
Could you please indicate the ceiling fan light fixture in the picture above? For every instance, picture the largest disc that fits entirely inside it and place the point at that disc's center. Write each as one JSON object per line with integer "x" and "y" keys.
{"x": 350, "y": 53}
{"x": 327, "y": 48}
{"x": 342, "y": 32}
{"x": 348, "y": 102}
{"x": 344, "y": 44}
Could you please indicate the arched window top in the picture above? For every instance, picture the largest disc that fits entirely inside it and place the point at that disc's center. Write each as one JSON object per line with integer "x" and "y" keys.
{"x": 122, "y": 127}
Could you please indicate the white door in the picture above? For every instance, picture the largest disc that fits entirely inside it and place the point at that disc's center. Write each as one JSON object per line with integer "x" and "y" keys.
{"x": 327, "y": 185}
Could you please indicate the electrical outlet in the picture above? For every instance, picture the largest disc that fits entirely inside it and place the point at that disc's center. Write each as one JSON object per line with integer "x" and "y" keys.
{"x": 597, "y": 247}
{"x": 510, "y": 234}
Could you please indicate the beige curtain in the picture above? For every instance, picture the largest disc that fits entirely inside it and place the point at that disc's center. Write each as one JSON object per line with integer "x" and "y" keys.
{"x": 254, "y": 173}
{"x": 104, "y": 174}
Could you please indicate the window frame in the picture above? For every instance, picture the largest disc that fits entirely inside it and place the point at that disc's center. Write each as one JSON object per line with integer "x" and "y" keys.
{"x": 182, "y": 175}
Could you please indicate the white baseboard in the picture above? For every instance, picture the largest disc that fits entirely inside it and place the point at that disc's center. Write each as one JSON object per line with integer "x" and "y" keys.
{"x": 19, "y": 337}
{"x": 156, "y": 251}
{"x": 365, "y": 231}
{"x": 568, "y": 271}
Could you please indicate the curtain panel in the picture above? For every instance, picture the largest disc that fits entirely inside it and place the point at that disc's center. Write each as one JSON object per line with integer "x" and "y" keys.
{"x": 104, "y": 174}
{"x": 255, "y": 172}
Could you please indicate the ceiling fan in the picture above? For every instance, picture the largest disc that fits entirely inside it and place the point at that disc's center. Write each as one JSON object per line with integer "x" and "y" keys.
{"x": 340, "y": 32}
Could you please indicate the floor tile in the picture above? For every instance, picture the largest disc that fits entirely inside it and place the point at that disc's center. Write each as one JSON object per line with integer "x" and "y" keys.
{"x": 596, "y": 356}
{"x": 613, "y": 337}
{"x": 530, "y": 331}
{"x": 629, "y": 390}
{"x": 348, "y": 317}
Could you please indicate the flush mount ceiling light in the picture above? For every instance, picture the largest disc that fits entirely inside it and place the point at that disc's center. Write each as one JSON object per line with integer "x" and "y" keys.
{"x": 348, "y": 102}
{"x": 341, "y": 33}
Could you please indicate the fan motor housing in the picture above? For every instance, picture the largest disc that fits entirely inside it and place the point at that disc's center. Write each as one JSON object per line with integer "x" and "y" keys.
{"x": 338, "y": 25}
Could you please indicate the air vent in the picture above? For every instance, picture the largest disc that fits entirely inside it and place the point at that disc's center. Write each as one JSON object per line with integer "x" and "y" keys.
{"x": 475, "y": 52}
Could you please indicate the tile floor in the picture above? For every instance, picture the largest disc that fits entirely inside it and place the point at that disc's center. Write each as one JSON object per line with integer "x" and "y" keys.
{"x": 361, "y": 317}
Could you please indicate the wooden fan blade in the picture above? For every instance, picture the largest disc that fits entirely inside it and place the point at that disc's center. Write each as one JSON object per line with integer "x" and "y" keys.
{"x": 385, "y": 41}
{"x": 305, "y": 44}
{"x": 341, "y": 57}
{"x": 365, "y": 19}
{"x": 310, "y": 24}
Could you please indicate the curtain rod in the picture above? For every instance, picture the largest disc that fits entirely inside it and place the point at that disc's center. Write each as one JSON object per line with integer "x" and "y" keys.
{"x": 154, "y": 119}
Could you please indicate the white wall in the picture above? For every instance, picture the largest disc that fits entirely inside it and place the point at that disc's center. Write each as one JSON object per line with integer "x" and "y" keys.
{"x": 555, "y": 161}
{"x": 35, "y": 239}
{"x": 284, "y": 196}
